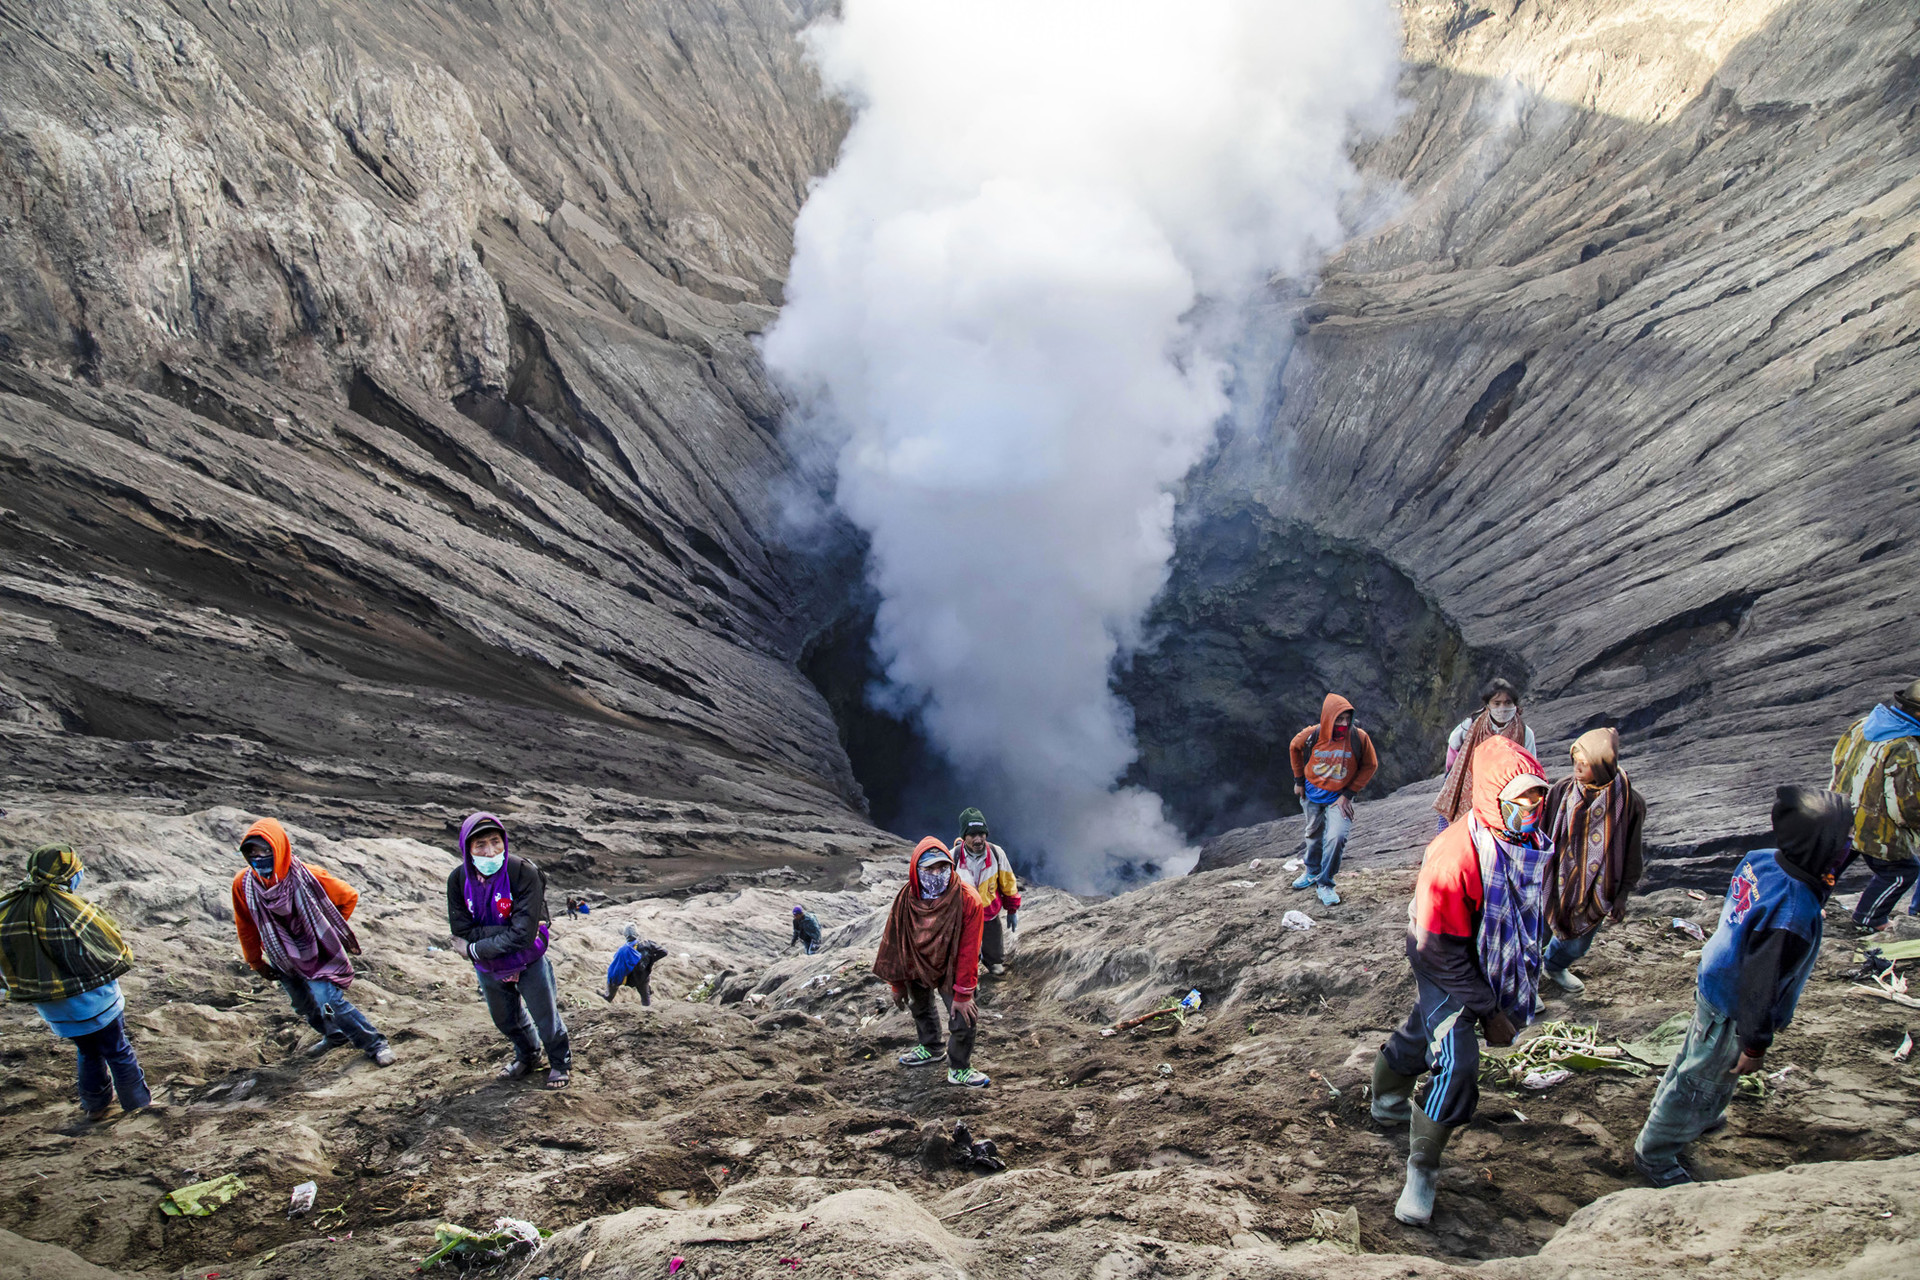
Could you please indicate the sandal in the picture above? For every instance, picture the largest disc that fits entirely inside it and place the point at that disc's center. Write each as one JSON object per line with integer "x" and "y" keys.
{"x": 557, "y": 1079}
{"x": 517, "y": 1068}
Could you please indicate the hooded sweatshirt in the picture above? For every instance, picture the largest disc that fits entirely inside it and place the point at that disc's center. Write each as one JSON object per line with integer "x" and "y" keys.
{"x": 1329, "y": 764}
{"x": 339, "y": 892}
{"x": 932, "y": 942}
{"x": 1876, "y": 766}
{"x": 1449, "y": 896}
{"x": 503, "y": 917}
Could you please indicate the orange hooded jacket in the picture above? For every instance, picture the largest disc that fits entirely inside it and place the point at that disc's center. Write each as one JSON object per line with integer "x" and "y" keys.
{"x": 343, "y": 894}
{"x": 1333, "y": 764}
{"x": 1447, "y": 895}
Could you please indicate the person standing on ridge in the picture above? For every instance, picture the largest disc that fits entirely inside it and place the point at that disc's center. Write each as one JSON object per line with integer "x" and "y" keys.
{"x": 292, "y": 920}
{"x": 1499, "y": 716}
{"x": 1333, "y": 761}
{"x": 984, "y": 865}
{"x": 806, "y": 930}
{"x": 1876, "y": 766}
{"x": 1594, "y": 819}
{"x": 1751, "y": 974}
{"x": 497, "y": 909}
{"x": 1473, "y": 940}
{"x": 633, "y": 966}
{"x": 63, "y": 955}
{"x": 931, "y": 947}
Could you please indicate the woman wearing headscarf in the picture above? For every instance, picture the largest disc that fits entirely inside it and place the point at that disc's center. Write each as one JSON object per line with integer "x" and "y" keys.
{"x": 1473, "y": 939}
{"x": 291, "y": 917}
{"x": 1751, "y": 973}
{"x": 1594, "y": 819}
{"x": 65, "y": 956}
{"x": 497, "y": 909}
{"x": 932, "y": 946}
{"x": 1499, "y": 717}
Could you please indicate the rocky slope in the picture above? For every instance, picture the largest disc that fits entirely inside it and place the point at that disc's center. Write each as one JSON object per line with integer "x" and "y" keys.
{"x": 1624, "y": 376}
{"x": 382, "y": 425}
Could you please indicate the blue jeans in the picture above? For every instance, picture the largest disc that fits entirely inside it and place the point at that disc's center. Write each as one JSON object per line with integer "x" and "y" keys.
{"x": 1562, "y": 952}
{"x": 107, "y": 1066}
{"x": 1695, "y": 1091}
{"x": 527, "y": 1012}
{"x": 1327, "y": 829}
{"x": 328, "y": 1011}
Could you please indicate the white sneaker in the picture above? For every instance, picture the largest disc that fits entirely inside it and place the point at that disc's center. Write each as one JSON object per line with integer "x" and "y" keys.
{"x": 997, "y": 970}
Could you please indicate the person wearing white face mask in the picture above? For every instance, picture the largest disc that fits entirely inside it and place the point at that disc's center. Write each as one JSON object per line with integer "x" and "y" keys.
{"x": 497, "y": 910}
{"x": 1499, "y": 717}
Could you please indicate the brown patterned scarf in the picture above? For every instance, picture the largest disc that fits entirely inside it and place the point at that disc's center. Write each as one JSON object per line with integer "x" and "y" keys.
{"x": 1456, "y": 793}
{"x": 1590, "y": 854}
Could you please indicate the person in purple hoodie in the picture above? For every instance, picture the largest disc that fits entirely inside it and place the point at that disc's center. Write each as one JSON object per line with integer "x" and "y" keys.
{"x": 497, "y": 909}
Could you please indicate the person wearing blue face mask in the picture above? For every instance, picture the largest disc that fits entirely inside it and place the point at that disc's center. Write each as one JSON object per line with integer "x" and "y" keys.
{"x": 65, "y": 956}
{"x": 497, "y": 910}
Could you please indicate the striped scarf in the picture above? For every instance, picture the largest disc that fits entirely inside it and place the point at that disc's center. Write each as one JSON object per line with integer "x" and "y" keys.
{"x": 1590, "y": 859}
{"x": 302, "y": 932}
{"x": 1456, "y": 793}
{"x": 54, "y": 944}
{"x": 1510, "y": 917}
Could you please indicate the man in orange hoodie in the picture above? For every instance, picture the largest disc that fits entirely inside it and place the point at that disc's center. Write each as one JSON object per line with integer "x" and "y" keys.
{"x": 1332, "y": 762}
{"x": 292, "y": 920}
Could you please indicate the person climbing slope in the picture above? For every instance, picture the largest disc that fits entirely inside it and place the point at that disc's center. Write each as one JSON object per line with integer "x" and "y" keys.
{"x": 633, "y": 966}
{"x": 984, "y": 866}
{"x": 1876, "y": 766}
{"x": 63, "y": 955}
{"x": 806, "y": 930}
{"x": 1473, "y": 940}
{"x": 497, "y": 909}
{"x": 292, "y": 920}
{"x": 1333, "y": 761}
{"x": 1751, "y": 974}
{"x": 931, "y": 947}
{"x": 1594, "y": 819}
{"x": 1499, "y": 716}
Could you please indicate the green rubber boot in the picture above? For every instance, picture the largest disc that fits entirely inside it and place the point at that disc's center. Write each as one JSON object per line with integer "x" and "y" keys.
{"x": 1392, "y": 1093}
{"x": 1415, "y": 1207}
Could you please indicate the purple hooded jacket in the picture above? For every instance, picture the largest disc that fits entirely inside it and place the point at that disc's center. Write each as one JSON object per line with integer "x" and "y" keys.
{"x": 489, "y": 901}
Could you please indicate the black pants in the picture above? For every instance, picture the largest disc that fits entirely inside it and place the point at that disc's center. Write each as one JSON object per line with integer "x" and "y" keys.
{"x": 926, "y": 1021}
{"x": 993, "y": 941}
{"x": 1439, "y": 1036}
{"x": 1882, "y": 894}
{"x": 640, "y": 978}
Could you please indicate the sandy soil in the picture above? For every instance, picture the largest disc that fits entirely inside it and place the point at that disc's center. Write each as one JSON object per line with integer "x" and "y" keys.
{"x": 780, "y": 1096}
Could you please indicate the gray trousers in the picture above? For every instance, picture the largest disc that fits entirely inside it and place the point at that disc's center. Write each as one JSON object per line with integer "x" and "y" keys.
{"x": 527, "y": 1012}
{"x": 926, "y": 1021}
{"x": 993, "y": 942}
{"x": 1695, "y": 1091}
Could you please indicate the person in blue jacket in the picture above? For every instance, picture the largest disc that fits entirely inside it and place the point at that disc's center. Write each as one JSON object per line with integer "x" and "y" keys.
{"x": 806, "y": 930}
{"x": 633, "y": 966}
{"x": 1751, "y": 973}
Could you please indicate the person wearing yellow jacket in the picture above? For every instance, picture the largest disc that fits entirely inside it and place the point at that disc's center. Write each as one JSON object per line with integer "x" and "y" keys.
{"x": 984, "y": 865}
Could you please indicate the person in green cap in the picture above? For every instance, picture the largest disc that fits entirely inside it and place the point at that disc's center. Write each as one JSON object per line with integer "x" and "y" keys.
{"x": 63, "y": 955}
{"x": 984, "y": 865}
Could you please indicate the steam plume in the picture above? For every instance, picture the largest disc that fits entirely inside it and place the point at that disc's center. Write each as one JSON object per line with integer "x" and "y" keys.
{"x": 992, "y": 320}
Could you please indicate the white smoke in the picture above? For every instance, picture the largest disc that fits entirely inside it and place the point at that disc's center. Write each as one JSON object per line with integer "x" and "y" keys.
{"x": 991, "y": 319}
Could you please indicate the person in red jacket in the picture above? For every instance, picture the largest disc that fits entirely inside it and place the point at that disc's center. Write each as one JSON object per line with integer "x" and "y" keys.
{"x": 292, "y": 920}
{"x": 1474, "y": 939}
{"x": 1332, "y": 762}
{"x": 932, "y": 945}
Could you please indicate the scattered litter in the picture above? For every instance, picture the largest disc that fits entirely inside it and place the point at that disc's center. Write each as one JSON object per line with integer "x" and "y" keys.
{"x": 1691, "y": 929}
{"x": 1296, "y": 920}
{"x": 1292, "y": 864}
{"x": 1781, "y": 1074}
{"x": 1520, "y": 1115}
{"x": 1254, "y": 865}
{"x": 1315, "y": 1075}
{"x": 1241, "y": 884}
{"x": 302, "y": 1199}
{"x": 1537, "y": 1080}
{"x": 1192, "y": 1000}
{"x": 509, "y": 1238}
{"x": 1341, "y": 1230}
{"x": 702, "y": 992}
{"x": 1108, "y": 1031}
{"x": 202, "y": 1198}
{"x": 817, "y": 980}
{"x": 792, "y": 1264}
{"x": 431, "y": 948}
{"x": 674, "y": 1264}
{"x": 969, "y": 1154}
{"x": 1696, "y": 895}
{"x": 1906, "y": 1048}
{"x": 1166, "y": 1068}
{"x": 1175, "y": 1010}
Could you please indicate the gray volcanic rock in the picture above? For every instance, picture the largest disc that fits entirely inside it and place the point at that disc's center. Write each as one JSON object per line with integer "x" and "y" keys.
{"x": 383, "y": 430}
{"x": 1624, "y": 376}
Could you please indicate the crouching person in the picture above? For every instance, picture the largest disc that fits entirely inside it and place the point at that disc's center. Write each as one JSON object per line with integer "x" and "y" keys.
{"x": 291, "y": 917}
{"x": 65, "y": 956}
{"x": 931, "y": 949}
{"x": 1474, "y": 944}
{"x": 633, "y": 966}
{"x": 497, "y": 909}
{"x": 1751, "y": 973}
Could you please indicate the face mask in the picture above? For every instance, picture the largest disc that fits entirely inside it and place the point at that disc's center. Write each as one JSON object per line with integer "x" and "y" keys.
{"x": 490, "y": 866}
{"x": 1518, "y": 819}
{"x": 934, "y": 880}
{"x": 263, "y": 864}
{"x": 1503, "y": 715}
{"x": 73, "y": 885}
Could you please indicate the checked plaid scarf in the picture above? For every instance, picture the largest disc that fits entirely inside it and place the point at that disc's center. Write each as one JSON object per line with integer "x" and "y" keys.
{"x": 1510, "y": 921}
{"x": 54, "y": 944}
{"x": 301, "y": 932}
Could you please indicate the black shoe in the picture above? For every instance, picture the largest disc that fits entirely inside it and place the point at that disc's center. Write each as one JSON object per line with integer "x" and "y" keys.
{"x": 324, "y": 1046}
{"x": 1675, "y": 1176}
